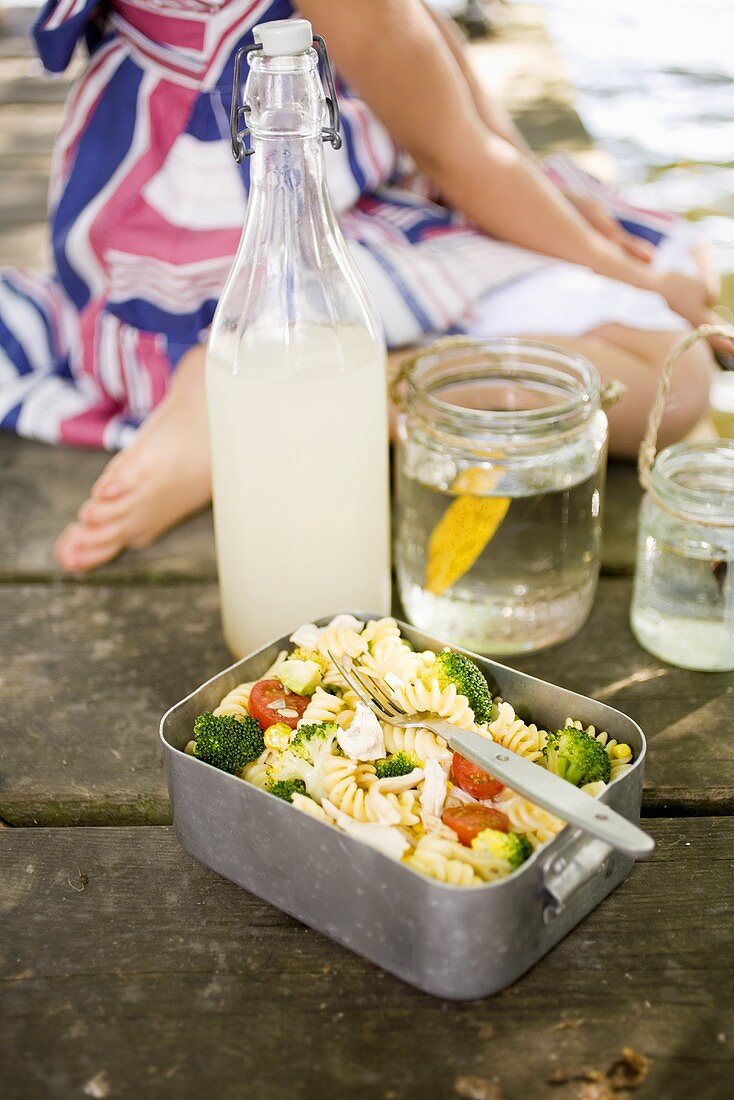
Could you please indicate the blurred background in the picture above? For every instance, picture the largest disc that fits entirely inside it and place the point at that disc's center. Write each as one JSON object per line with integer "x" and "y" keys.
{"x": 655, "y": 89}
{"x": 641, "y": 90}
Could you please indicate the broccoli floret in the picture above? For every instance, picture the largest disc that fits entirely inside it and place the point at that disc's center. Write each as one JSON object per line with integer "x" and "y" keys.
{"x": 577, "y": 757}
{"x": 513, "y": 848}
{"x": 286, "y": 788}
{"x": 459, "y": 670}
{"x": 286, "y": 765}
{"x": 313, "y": 745}
{"x": 400, "y": 763}
{"x": 226, "y": 742}
{"x": 307, "y": 737}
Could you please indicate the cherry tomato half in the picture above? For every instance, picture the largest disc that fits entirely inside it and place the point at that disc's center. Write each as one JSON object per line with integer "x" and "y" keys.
{"x": 477, "y": 783}
{"x": 468, "y": 820}
{"x": 267, "y": 692}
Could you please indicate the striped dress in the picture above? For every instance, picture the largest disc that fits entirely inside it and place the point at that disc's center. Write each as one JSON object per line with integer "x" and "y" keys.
{"x": 147, "y": 205}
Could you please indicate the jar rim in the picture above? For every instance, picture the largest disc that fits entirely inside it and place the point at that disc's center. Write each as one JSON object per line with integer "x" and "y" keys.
{"x": 532, "y": 363}
{"x": 710, "y": 497}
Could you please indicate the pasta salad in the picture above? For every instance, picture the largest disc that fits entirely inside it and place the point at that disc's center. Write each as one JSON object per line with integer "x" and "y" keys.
{"x": 301, "y": 734}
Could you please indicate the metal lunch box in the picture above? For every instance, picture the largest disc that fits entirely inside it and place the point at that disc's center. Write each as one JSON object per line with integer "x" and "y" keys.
{"x": 453, "y": 942}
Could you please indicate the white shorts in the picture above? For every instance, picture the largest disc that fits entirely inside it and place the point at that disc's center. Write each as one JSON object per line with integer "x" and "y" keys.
{"x": 567, "y": 300}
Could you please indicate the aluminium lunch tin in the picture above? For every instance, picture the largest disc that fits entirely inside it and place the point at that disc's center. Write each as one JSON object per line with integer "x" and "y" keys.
{"x": 453, "y": 942}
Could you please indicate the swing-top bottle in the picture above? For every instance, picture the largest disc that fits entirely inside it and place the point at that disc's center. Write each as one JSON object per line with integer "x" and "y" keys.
{"x": 295, "y": 371}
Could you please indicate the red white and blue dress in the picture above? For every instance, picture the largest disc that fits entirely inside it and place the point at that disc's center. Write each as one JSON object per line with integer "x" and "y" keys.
{"x": 147, "y": 206}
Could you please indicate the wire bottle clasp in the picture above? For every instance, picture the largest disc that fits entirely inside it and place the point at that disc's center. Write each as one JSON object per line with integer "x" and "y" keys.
{"x": 238, "y": 113}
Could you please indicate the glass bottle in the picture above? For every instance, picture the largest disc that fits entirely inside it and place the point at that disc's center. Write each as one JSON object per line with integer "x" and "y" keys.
{"x": 501, "y": 461}
{"x": 683, "y": 600}
{"x": 295, "y": 373}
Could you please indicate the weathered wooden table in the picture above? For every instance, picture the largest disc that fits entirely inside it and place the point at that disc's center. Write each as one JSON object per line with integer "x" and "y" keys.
{"x": 129, "y": 970}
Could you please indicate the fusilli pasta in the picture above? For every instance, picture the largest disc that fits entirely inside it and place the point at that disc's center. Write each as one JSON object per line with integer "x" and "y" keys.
{"x": 394, "y": 658}
{"x": 236, "y": 701}
{"x": 511, "y": 732}
{"x": 485, "y": 865}
{"x": 332, "y": 677}
{"x": 525, "y": 817}
{"x": 258, "y": 773}
{"x": 325, "y": 707}
{"x": 402, "y": 802}
{"x": 309, "y": 806}
{"x": 341, "y": 641}
{"x": 381, "y": 630}
{"x": 420, "y": 695}
{"x": 419, "y": 742}
{"x": 347, "y": 786}
{"x": 454, "y": 872}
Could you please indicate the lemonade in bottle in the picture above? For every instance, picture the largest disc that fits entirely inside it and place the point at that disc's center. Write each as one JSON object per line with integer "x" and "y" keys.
{"x": 295, "y": 372}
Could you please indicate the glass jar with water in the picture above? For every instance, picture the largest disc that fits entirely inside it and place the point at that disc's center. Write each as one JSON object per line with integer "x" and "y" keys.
{"x": 683, "y": 601}
{"x": 501, "y": 465}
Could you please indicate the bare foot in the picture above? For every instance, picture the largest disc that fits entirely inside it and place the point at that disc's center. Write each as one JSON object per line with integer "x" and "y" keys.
{"x": 162, "y": 477}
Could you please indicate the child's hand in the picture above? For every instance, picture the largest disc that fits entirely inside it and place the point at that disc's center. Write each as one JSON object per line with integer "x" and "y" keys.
{"x": 686, "y": 295}
{"x": 692, "y": 299}
{"x": 605, "y": 224}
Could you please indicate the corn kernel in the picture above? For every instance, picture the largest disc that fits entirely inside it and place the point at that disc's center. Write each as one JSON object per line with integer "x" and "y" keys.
{"x": 621, "y": 752}
{"x": 278, "y": 736}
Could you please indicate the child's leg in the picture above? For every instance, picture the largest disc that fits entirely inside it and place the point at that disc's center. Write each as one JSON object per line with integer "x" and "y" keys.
{"x": 163, "y": 476}
{"x": 635, "y": 357}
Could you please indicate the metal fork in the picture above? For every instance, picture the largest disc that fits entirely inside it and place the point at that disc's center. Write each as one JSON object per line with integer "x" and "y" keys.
{"x": 542, "y": 787}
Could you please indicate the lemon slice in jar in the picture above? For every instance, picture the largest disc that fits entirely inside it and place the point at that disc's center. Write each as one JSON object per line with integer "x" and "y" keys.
{"x": 465, "y": 529}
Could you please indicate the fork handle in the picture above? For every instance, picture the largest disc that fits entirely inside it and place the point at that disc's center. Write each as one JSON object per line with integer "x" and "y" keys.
{"x": 548, "y": 790}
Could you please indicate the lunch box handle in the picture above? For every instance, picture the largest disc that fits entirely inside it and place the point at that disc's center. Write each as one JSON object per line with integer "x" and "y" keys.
{"x": 568, "y": 870}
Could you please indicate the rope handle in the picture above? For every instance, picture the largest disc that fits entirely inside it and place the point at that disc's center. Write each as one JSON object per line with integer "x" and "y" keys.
{"x": 611, "y": 391}
{"x": 404, "y": 369}
{"x": 649, "y": 445}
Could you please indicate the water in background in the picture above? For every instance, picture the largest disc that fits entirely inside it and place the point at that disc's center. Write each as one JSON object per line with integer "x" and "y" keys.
{"x": 656, "y": 90}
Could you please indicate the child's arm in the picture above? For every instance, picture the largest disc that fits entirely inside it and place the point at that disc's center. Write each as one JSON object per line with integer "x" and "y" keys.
{"x": 491, "y": 113}
{"x": 392, "y": 52}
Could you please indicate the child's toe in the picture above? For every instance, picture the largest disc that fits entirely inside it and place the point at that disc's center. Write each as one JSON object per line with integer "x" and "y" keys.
{"x": 97, "y": 513}
{"x": 67, "y": 546}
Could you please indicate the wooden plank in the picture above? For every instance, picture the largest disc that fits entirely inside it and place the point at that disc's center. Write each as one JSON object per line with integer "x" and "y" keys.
{"x": 90, "y": 669}
{"x": 19, "y": 85}
{"x": 130, "y": 970}
{"x": 15, "y": 28}
{"x": 621, "y": 505}
{"x": 87, "y": 673}
{"x": 33, "y": 132}
{"x": 25, "y": 246}
{"x": 24, "y": 195}
{"x": 42, "y": 491}
{"x": 43, "y": 488}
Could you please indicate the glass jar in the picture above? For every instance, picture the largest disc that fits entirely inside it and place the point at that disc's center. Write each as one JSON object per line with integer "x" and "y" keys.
{"x": 683, "y": 600}
{"x": 501, "y": 465}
